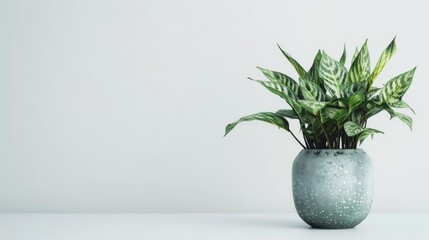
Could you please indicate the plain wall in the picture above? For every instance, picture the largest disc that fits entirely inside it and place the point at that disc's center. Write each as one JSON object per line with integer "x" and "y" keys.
{"x": 120, "y": 106}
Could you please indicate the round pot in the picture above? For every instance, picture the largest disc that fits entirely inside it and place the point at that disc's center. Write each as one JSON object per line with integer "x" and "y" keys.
{"x": 332, "y": 188}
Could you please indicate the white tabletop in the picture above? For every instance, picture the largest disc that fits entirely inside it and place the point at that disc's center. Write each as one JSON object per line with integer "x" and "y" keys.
{"x": 202, "y": 226}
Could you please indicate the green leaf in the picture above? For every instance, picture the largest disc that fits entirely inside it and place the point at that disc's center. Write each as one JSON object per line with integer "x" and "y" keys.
{"x": 340, "y": 116}
{"x": 396, "y": 87}
{"x": 372, "y": 91}
{"x": 313, "y": 73}
{"x": 349, "y": 89}
{"x": 333, "y": 74}
{"x": 352, "y": 128}
{"x": 368, "y": 132}
{"x": 275, "y": 88}
{"x": 355, "y": 101}
{"x": 336, "y": 114}
{"x": 262, "y": 116}
{"x": 312, "y": 106}
{"x": 287, "y": 113}
{"x": 281, "y": 79}
{"x": 355, "y": 54}
{"x": 311, "y": 91}
{"x": 282, "y": 92}
{"x": 360, "y": 69}
{"x": 372, "y": 108}
{"x": 402, "y": 104}
{"x": 299, "y": 69}
{"x": 384, "y": 58}
{"x": 343, "y": 56}
{"x": 327, "y": 113}
{"x": 375, "y": 108}
{"x": 405, "y": 119}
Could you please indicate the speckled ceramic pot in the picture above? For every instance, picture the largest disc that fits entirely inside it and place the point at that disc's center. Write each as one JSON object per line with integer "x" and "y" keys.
{"x": 332, "y": 188}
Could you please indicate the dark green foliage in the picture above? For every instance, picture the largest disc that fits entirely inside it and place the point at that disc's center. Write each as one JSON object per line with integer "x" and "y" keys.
{"x": 333, "y": 103}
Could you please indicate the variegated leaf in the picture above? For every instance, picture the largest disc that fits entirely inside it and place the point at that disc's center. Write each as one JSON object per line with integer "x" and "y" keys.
{"x": 349, "y": 89}
{"x": 355, "y": 54}
{"x": 287, "y": 113}
{"x": 375, "y": 108}
{"x": 343, "y": 56}
{"x": 299, "y": 69}
{"x": 333, "y": 74}
{"x": 402, "y": 104}
{"x": 276, "y": 88}
{"x": 355, "y": 101}
{"x": 356, "y": 116}
{"x": 368, "y": 132}
{"x": 405, "y": 119}
{"x": 311, "y": 91}
{"x": 262, "y": 116}
{"x": 327, "y": 113}
{"x": 313, "y": 73}
{"x": 372, "y": 108}
{"x": 352, "y": 128}
{"x": 282, "y": 92}
{"x": 340, "y": 116}
{"x": 281, "y": 78}
{"x": 312, "y": 106}
{"x": 372, "y": 91}
{"x": 396, "y": 87}
{"x": 336, "y": 114}
{"x": 384, "y": 58}
{"x": 360, "y": 69}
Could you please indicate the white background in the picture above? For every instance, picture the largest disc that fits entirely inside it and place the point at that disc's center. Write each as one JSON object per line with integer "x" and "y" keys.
{"x": 120, "y": 106}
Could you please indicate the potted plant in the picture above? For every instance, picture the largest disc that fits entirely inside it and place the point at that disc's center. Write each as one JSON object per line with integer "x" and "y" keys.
{"x": 332, "y": 179}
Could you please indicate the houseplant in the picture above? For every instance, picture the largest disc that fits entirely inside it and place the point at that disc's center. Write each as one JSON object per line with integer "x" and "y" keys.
{"x": 332, "y": 179}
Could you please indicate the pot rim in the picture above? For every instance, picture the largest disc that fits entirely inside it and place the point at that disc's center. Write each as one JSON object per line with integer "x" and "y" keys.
{"x": 332, "y": 149}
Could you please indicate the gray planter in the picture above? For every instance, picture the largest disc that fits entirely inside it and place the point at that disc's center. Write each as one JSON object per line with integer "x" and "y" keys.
{"x": 332, "y": 188}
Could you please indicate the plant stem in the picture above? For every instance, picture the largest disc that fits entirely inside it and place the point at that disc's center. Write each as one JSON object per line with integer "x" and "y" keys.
{"x": 325, "y": 132}
{"x": 293, "y": 135}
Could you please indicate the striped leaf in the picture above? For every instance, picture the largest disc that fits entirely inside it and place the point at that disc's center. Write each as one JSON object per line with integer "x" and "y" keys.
{"x": 384, "y": 58}
{"x": 343, "y": 56}
{"x": 275, "y": 88}
{"x": 352, "y": 128}
{"x": 299, "y": 69}
{"x": 402, "y": 104}
{"x": 405, "y": 119}
{"x": 355, "y": 54}
{"x": 281, "y": 79}
{"x": 368, "y": 132}
{"x": 313, "y": 73}
{"x": 336, "y": 114}
{"x": 356, "y": 116}
{"x": 360, "y": 69}
{"x": 333, "y": 74}
{"x": 376, "y": 108}
{"x": 327, "y": 113}
{"x": 372, "y": 91}
{"x": 311, "y": 91}
{"x": 282, "y": 92}
{"x": 340, "y": 116}
{"x": 396, "y": 87}
{"x": 287, "y": 113}
{"x": 262, "y": 116}
{"x": 349, "y": 89}
{"x": 355, "y": 101}
{"x": 312, "y": 106}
